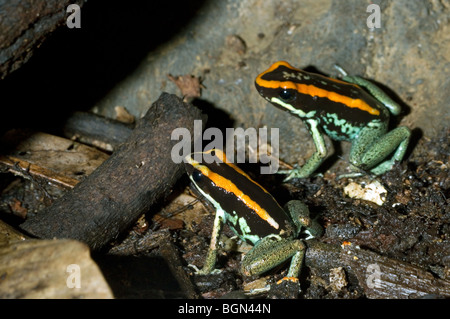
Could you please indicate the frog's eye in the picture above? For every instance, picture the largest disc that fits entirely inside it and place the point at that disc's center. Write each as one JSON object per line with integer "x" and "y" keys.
{"x": 197, "y": 176}
{"x": 286, "y": 95}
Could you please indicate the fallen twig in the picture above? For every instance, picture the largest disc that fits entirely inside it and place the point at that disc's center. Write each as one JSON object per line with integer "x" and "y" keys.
{"x": 136, "y": 176}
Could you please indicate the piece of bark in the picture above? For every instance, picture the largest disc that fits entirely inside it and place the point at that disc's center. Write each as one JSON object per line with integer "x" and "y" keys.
{"x": 379, "y": 276}
{"x": 24, "y": 26}
{"x": 131, "y": 246}
{"x": 171, "y": 256}
{"x": 48, "y": 158}
{"x": 96, "y": 130}
{"x": 23, "y": 168}
{"x": 140, "y": 173}
{"x": 9, "y": 235}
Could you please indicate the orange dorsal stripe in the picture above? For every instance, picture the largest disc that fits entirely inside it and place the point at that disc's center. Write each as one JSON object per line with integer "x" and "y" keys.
{"x": 229, "y": 186}
{"x": 221, "y": 155}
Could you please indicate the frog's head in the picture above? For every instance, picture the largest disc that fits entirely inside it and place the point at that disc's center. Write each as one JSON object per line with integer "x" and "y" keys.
{"x": 211, "y": 172}
{"x": 278, "y": 84}
{"x": 212, "y": 165}
{"x": 201, "y": 167}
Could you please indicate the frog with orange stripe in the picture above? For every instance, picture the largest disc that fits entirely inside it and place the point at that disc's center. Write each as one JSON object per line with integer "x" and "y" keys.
{"x": 351, "y": 109}
{"x": 252, "y": 214}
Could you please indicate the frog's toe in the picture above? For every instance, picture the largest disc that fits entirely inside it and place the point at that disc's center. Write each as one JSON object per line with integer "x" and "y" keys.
{"x": 203, "y": 271}
{"x": 293, "y": 174}
{"x": 342, "y": 72}
{"x": 355, "y": 171}
{"x": 291, "y": 279}
{"x": 383, "y": 167}
{"x": 216, "y": 272}
{"x": 283, "y": 171}
{"x": 350, "y": 175}
{"x": 195, "y": 268}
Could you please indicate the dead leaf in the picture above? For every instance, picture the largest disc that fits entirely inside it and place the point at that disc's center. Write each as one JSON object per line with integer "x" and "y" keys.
{"x": 123, "y": 115}
{"x": 189, "y": 85}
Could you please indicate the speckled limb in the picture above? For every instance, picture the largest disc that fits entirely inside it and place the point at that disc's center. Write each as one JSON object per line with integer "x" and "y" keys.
{"x": 272, "y": 251}
{"x": 296, "y": 263}
{"x": 376, "y": 92}
{"x": 210, "y": 261}
{"x": 373, "y": 89}
{"x": 373, "y": 146}
{"x": 313, "y": 163}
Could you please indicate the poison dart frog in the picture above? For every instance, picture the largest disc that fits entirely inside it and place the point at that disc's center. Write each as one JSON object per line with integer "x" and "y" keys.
{"x": 343, "y": 110}
{"x": 252, "y": 214}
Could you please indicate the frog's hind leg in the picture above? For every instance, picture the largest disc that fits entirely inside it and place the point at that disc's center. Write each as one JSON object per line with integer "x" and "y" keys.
{"x": 397, "y": 138}
{"x": 373, "y": 146}
{"x": 271, "y": 251}
{"x": 373, "y": 89}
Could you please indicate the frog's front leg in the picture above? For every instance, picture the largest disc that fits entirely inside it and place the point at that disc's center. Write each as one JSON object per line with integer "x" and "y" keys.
{"x": 271, "y": 251}
{"x": 373, "y": 145}
{"x": 210, "y": 262}
{"x": 316, "y": 159}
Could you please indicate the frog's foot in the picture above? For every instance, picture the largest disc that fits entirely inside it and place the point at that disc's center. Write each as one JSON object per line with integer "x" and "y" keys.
{"x": 291, "y": 279}
{"x": 383, "y": 167}
{"x": 355, "y": 172}
{"x": 291, "y": 176}
{"x": 204, "y": 271}
{"x": 284, "y": 171}
{"x": 258, "y": 291}
{"x": 309, "y": 234}
{"x": 342, "y": 72}
{"x": 350, "y": 175}
{"x": 292, "y": 173}
{"x": 297, "y": 173}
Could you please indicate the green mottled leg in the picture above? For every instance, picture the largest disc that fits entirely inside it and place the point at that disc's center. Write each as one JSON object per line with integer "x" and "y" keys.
{"x": 396, "y": 139}
{"x": 296, "y": 264}
{"x": 271, "y": 251}
{"x": 373, "y": 146}
{"x": 316, "y": 159}
{"x": 300, "y": 216}
{"x": 210, "y": 261}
